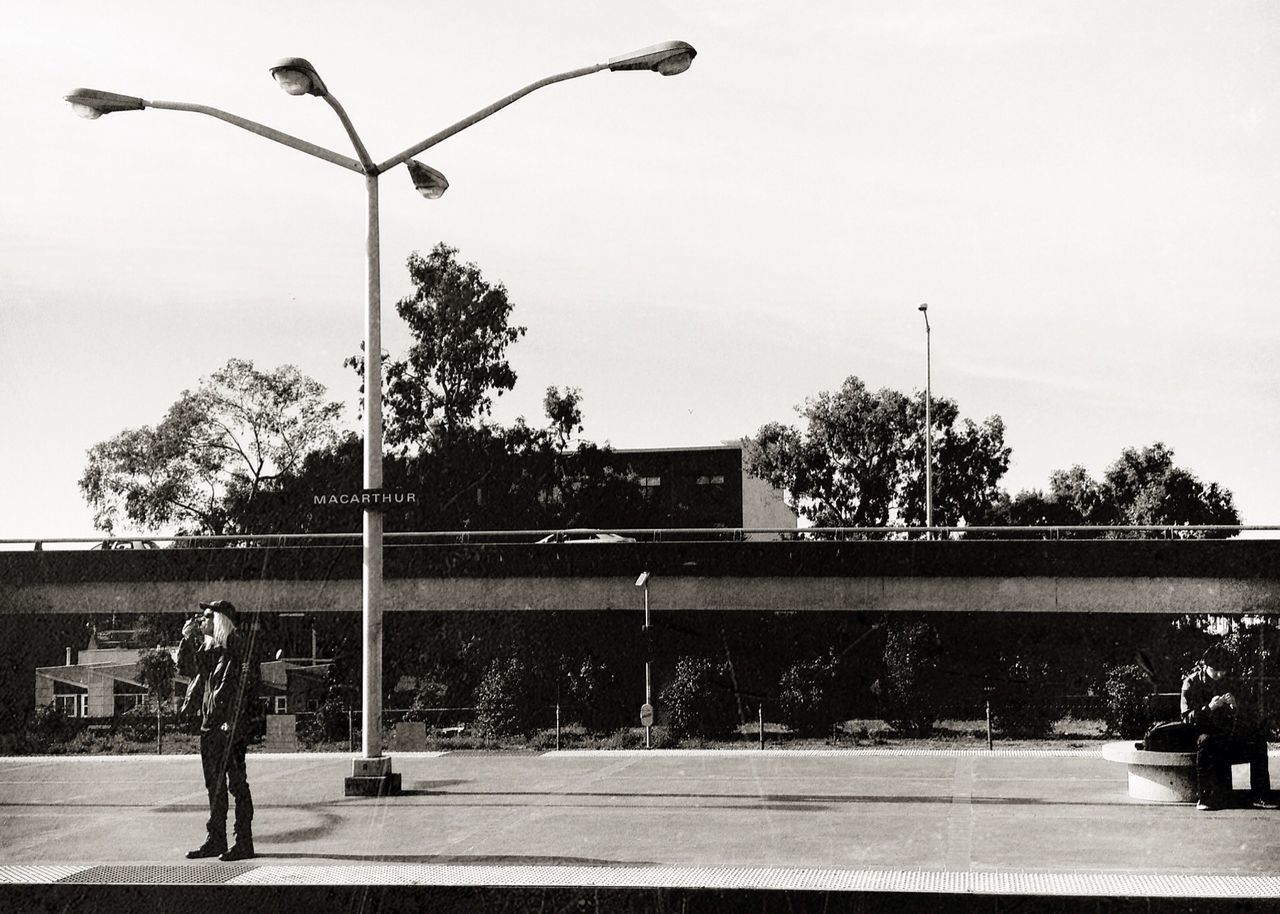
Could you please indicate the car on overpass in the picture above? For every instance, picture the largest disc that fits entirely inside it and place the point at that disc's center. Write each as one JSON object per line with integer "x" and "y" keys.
{"x": 584, "y": 535}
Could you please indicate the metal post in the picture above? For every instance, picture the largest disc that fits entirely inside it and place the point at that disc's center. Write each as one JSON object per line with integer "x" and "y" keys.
{"x": 371, "y": 773}
{"x": 648, "y": 730}
{"x": 928, "y": 429}
{"x": 557, "y": 726}
{"x": 760, "y": 714}
{"x": 371, "y": 725}
{"x": 988, "y": 724}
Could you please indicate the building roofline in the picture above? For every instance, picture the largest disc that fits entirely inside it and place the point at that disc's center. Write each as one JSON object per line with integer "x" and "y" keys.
{"x": 725, "y": 446}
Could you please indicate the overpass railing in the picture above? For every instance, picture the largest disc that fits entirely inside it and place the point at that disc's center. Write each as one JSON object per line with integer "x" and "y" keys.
{"x": 664, "y": 534}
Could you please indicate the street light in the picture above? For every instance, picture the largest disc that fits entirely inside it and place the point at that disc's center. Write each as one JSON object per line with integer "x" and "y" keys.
{"x": 928, "y": 427}
{"x": 646, "y": 711}
{"x": 296, "y": 76}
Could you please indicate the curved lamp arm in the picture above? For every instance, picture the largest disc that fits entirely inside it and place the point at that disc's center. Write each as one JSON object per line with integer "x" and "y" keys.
{"x": 93, "y": 103}
{"x": 485, "y": 112}
{"x": 667, "y": 58}
{"x": 264, "y": 131}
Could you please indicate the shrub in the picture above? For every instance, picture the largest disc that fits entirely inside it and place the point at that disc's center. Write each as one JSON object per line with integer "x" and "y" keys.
{"x": 908, "y": 688}
{"x": 805, "y": 696}
{"x": 1021, "y": 705}
{"x": 633, "y": 738}
{"x": 327, "y": 723}
{"x": 588, "y": 683}
{"x": 497, "y": 702}
{"x": 49, "y": 722}
{"x": 1126, "y": 710}
{"x": 137, "y": 724}
{"x": 697, "y": 702}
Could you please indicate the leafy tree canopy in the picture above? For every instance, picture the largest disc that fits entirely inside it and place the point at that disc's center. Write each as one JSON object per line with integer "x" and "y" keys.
{"x": 456, "y": 364}
{"x": 859, "y": 461}
{"x": 212, "y": 455}
{"x": 1144, "y": 487}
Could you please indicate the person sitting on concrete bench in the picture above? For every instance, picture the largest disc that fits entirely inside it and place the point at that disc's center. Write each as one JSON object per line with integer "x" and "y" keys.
{"x": 1227, "y": 733}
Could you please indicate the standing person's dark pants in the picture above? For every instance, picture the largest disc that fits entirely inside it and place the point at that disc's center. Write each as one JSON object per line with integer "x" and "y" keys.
{"x": 223, "y": 760}
{"x": 1217, "y": 751}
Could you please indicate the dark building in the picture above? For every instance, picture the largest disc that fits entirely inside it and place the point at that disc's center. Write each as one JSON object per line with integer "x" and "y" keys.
{"x": 702, "y": 487}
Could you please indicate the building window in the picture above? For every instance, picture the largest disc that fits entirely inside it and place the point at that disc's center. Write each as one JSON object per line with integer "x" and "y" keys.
{"x": 127, "y": 701}
{"x": 648, "y": 484}
{"x": 282, "y": 704}
{"x": 711, "y": 480}
{"x": 72, "y": 705}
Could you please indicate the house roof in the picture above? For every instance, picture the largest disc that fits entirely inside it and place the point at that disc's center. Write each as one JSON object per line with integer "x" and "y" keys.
{"x": 81, "y": 675}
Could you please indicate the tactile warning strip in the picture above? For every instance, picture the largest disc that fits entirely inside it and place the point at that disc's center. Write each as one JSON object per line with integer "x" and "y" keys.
{"x": 825, "y": 753}
{"x": 38, "y": 873}
{"x": 1149, "y": 885}
{"x": 157, "y": 874}
{"x": 795, "y": 879}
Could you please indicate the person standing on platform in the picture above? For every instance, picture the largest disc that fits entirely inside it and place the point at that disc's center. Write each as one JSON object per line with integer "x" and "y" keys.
{"x": 223, "y": 691}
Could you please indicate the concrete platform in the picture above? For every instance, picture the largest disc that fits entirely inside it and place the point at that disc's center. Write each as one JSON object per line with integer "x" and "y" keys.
{"x": 1002, "y": 822}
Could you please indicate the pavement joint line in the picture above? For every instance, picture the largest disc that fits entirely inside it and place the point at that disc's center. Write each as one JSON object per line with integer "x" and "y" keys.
{"x": 830, "y": 753}
{"x": 607, "y": 753}
{"x": 1022, "y": 882}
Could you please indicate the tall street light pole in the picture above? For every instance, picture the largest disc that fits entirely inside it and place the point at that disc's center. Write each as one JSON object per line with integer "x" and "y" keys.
{"x": 646, "y": 710}
{"x": 928, "y": 426}
{"x": 371, "y": 773}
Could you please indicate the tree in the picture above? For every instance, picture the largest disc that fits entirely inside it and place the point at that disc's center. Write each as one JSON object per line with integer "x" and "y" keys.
{"x": 216, "y": 450}
{"x": 860, "y": 459}
{"x": 456, "y": 365}
{"x": 156, "y": 670}
{"x": 1142, "y": 488}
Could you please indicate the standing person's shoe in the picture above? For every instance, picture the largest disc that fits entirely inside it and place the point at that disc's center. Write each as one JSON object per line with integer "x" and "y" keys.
{"x": 1208, "y": 804}
{"x": 208, "y": 849}
{"x": 241, "y": 850}
{"x": 1264, "y": 803}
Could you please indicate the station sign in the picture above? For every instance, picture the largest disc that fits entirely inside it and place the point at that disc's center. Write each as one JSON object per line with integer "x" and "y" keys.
{"x": 366, "y": 499}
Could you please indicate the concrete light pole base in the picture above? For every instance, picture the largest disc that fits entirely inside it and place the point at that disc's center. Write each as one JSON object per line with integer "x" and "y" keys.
{"x": 372, "y": 777}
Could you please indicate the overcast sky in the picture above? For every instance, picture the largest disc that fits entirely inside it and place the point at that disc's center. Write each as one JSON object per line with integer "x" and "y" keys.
{"x": 1085, "y": 193}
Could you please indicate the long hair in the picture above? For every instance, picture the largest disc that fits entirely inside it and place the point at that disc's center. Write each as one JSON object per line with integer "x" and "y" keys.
{"x": 222, "y": 629}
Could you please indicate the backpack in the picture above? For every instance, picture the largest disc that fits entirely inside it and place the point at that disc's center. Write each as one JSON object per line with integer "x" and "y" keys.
{"x": 1171, "y": 736}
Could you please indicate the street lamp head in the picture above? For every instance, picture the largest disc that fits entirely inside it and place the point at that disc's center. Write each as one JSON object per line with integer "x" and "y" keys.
{"x": 296, "y": 76}
{"x": 667, "y": 58}
{"x": 643, "y": 579}
{"x": 923, "y": 308}
{"x": 429, "y": 182}
{"x": 93, "y": 103}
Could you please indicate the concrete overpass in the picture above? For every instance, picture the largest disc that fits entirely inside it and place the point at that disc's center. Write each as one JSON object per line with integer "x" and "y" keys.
{"x": 1070, "y": 576}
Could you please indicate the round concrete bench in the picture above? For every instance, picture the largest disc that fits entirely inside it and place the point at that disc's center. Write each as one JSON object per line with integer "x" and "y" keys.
{"x": 1156, "y": 777}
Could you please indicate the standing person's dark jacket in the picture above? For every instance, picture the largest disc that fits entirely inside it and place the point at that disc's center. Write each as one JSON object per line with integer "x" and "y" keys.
{"x": 223, "y": 686}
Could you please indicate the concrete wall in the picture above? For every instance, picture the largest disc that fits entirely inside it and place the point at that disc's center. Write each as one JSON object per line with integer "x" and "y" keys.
{"x": 764, "y": 506}
{"x": 1028, "y": 576}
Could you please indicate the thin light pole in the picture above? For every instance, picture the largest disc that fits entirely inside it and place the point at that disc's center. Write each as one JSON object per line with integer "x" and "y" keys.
{"x": 928, "y": 426}
{"x": 646, "y": 712}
